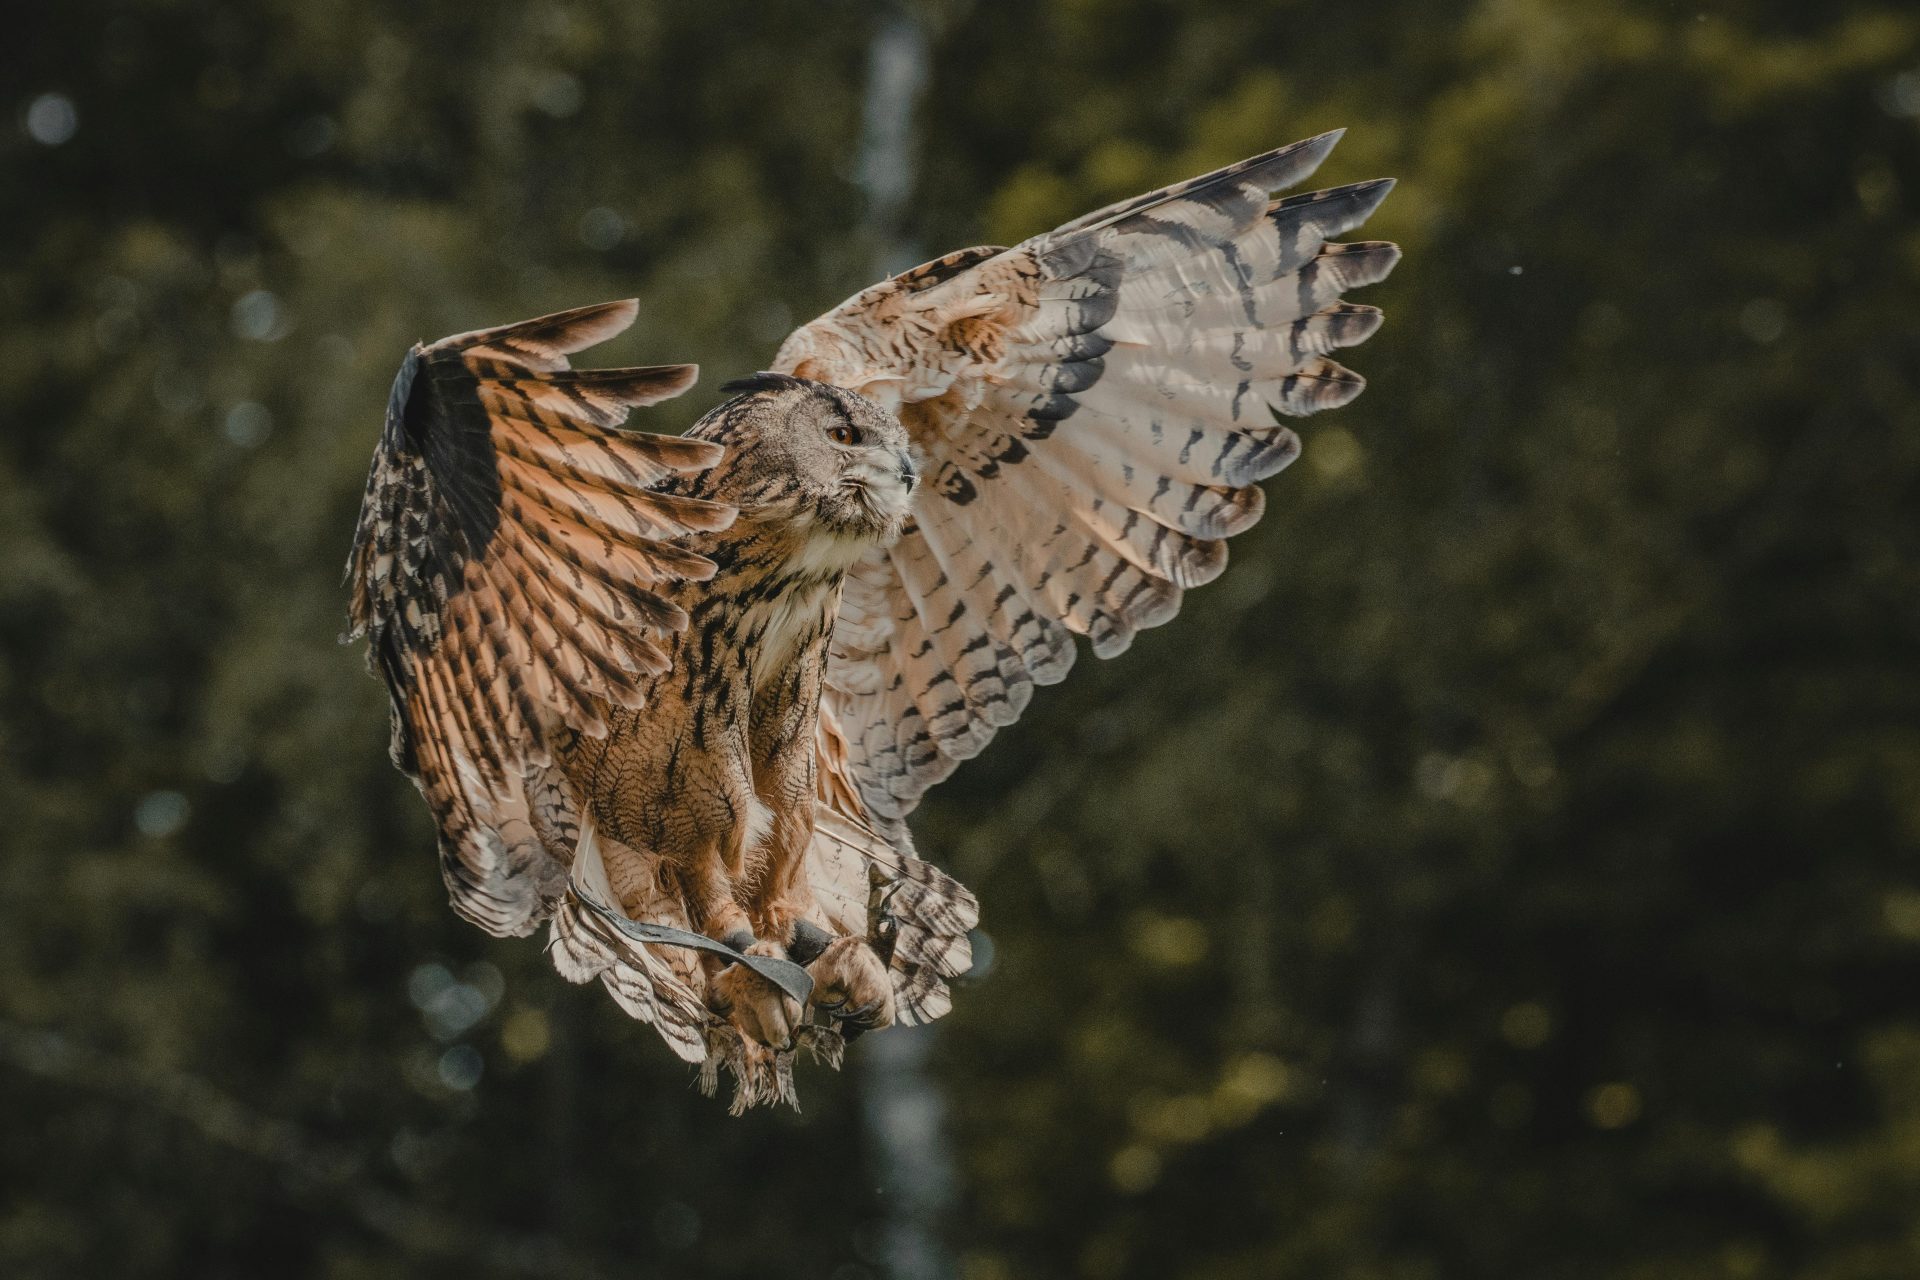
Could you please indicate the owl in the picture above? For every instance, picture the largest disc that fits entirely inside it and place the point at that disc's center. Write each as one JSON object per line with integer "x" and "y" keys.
{"x": 674, "y": 697}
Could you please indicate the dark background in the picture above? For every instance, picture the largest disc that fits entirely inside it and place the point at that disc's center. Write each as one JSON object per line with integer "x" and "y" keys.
{"x": 1506, "y": 871}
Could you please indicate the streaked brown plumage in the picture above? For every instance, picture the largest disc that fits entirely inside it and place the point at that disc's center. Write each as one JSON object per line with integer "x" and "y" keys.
{"x": 702, "y": 681}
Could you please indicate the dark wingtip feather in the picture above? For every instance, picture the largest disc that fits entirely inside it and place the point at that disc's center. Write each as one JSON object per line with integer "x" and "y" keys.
{"x": 556, "y": 335}
{"x": 1360, "y": 263}
{"x": 578, "y": 328}
{"x": 1275, "y": 170}
{"x": 1355, "y": 202}
{"x": 644, "y": 385}
{"x": 1303, "y": 157}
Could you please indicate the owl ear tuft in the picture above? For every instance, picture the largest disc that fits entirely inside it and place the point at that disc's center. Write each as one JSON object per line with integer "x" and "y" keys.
{"x": 765, "y": 381}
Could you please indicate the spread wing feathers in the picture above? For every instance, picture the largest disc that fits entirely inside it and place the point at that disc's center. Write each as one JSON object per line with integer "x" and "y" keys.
{"x": 507, "y": 568}
{"x": 1096, "y": 408}
{"x": 871, "y": 885}
{"x": 660, "y": 985}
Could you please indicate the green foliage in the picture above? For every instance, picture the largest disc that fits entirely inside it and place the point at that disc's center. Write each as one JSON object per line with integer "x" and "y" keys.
{"x": 1506, "y": 870}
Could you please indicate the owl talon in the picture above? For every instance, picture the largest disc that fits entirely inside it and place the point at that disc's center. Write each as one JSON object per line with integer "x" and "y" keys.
{"x": 761, "y": 1012}
{"x": 850, "y": 985}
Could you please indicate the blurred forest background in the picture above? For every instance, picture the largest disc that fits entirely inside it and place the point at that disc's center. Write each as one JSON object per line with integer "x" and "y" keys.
{"x": 1507, "y": 870}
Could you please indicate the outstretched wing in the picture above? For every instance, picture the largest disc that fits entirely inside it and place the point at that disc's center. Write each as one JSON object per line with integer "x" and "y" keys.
{"x": 508, "y": 569}
{"x": 1095, "y": 408}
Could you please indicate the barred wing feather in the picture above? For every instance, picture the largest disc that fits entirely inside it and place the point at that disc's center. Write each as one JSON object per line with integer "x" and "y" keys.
{"x": 1095, "y": 408}
{"x": 507, "y": 567}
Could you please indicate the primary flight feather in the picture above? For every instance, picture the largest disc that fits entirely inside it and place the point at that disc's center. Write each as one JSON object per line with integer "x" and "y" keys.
{"x": 675, "y": 696}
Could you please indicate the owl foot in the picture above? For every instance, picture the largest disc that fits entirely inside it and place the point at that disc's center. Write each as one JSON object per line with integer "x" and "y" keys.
{"x": 850, "y": 985}
{"x": 761, "y": 1076}
{"x": 758, "y": 1010}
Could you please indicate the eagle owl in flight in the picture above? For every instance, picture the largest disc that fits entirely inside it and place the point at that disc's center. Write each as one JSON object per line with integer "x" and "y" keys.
{"x": 674, "y": 697}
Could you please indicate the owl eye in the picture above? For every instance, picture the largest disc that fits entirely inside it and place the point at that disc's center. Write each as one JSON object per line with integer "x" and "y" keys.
{"x": 844, "y": 434}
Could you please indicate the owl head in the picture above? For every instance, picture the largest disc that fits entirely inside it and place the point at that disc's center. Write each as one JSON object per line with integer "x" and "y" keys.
{"x": 834, "y": 458}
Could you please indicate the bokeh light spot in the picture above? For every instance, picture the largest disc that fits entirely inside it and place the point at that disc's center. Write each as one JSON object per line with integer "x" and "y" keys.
{"x": 426, "y": 982}
{"x": 461, "y": 1067}
{"x": 1169, "y": 942}
{"x": 526, "y": 1035}
{"x": 1134, "y": 1168}
{"x": 248, "y": 424}
{"x": 602, "y": 228}
{"x": 1763, "y": 320}
{"x": 161, "y": 813}
{"x": 1250, "y": 1083}
{"x": 51, "y": 119}
{"x": 257, "y": 317}
{"x": 1613, "y": 1106}
{"x": 1526, "y": 1025}
{"x": 558, "y": 94}
{"x": 1334, "y": 454}
{"x": 1901, "y": 909}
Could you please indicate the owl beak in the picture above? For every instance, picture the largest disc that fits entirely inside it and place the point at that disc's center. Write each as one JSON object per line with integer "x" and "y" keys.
{"x": 907, "y": 474}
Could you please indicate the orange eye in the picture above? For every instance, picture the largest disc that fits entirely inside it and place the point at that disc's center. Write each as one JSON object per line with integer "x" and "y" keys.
{"x": 844, "y": 434}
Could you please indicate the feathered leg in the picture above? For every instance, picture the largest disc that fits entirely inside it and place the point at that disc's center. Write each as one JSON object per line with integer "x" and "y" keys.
{"x": 850, "y": 982}
{"x": 760, "y": 1011}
